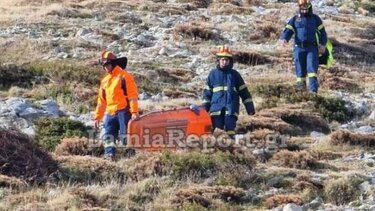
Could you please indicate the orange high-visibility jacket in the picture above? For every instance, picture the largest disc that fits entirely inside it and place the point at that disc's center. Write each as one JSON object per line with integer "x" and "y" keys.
{"x": 117, "y": 91}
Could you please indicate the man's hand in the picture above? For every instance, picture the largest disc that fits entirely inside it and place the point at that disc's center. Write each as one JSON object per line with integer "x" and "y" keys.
{"x": 283, "y": 42}
{"x": 322, "y": 49}
{"x": 252, "y": 113}
{"x": 96, "y": 124}
{"x": 135, "y": 116}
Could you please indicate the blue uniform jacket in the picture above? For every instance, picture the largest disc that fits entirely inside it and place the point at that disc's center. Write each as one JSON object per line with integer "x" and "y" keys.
{"x": 308, "y": 29}
{"x": 223, "y": 90}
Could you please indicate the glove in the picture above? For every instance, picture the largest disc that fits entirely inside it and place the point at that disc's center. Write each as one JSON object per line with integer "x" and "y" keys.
{"x": 250, "y": 108}
{"x": 194, "y": 108}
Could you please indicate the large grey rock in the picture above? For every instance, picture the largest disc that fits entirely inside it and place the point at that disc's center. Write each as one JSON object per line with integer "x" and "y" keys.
{"x": 365, "y": 129}
{"x": 51, "y": 107}
{"x": 13, "y": 122}
{"x": 292, "y": 207}
{"x": 32, "y": 113}
{"x": 17, "y": 104}
{"x": 86, "y": 119}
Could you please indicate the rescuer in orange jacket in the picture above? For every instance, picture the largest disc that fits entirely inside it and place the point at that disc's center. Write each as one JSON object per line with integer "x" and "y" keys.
{"x": 117, "y": 103}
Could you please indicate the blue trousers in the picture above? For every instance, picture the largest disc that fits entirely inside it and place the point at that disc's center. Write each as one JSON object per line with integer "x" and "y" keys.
{"x": 307, "y": 62}
{"x": 224, "y": 122}
{"x": 115, "y": 127}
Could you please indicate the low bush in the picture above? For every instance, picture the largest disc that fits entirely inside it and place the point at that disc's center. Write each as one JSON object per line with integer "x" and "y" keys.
{"x": 50, "y": 131}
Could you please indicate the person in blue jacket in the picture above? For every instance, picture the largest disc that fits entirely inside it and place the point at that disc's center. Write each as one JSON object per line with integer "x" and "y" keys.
{"x": 222, "y": 92}
{"x": 310, "y": 39}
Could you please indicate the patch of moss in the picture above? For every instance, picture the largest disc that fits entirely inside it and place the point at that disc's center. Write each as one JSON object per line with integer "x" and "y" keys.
{"x": 50, "y": 131}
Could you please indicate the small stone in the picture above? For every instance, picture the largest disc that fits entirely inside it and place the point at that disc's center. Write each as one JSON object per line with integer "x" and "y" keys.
{"x": 82, "y": 32}
{"x": 372, "y": 116}
{"x": 363, "y": 11}
{"x": 292, "y": 207}
{"x": 365, "y": 187}
{"x": 316, "y": 203}
{"x": 62, "y": 55}
{"x": 163, "y": 52}
{"x": 275, "y": 182}
{"x": 316, "y": 134}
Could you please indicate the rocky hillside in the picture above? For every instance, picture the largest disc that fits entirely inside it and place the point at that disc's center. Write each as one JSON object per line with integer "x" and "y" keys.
{"x": 48, "y": 86}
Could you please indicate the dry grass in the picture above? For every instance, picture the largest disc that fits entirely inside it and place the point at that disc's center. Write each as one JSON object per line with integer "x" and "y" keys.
{"x": 299, "y": 160}
{"x": 291, "y": 120}
{"x": 338, "y": 79}
{"x": 22, "y": 159}
{"x": 88, "y": 169}
{"x": 77, "y": 146}
{"x": 325, "y": 155}
{"x": 228, "y": 9}
{"x": 203, "y": 195}
{"x": 251, "y": 58}
{"x": 196, "y": 30}
{"x": 341, "y": 191}
{"x": 143, "y": 165}
{"x": 277, "y": 200}
{"x": 12, "y": 182}
{"x": 352, "y": 138}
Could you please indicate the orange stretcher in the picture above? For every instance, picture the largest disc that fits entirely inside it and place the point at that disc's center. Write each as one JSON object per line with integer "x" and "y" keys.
{"x": 167, "y": 129}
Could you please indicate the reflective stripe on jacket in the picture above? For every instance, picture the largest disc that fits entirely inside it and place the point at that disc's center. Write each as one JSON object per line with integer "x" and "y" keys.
{"x": 223, "y": 90}
{"x": 117, "y": 91}
{"x": 306, "y": 28}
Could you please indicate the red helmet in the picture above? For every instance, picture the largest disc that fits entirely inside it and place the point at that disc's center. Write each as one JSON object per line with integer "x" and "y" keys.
{"x": 106, "y": 57}
{"x": 224, "y": 51}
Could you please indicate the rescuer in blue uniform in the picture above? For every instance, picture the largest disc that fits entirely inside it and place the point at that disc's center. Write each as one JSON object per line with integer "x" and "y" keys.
{"x": 310, "y": 39}
{"x": 222, "y": 92}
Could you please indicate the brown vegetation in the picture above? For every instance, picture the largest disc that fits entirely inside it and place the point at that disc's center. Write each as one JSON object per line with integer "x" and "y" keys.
{"x": 338, "y": 79}
{"x": 20, "y": 158}
{"x": 12, "y": 182}
{"x": 196, "y": 30}
{"x": 251, "y": 58}
{"x": 203, "y": 195}
{"x": 277, "y": 200}
{"x": 228, "y": 9}
{"x": 299, "y": 160}
{"x": 352, "y": 138}
{"x": 293, "y": 121}
{"x": 341, "y": 191}
{"x": 77, "y": 146}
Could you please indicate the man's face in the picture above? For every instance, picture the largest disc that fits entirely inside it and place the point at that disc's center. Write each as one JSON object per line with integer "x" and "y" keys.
{"x": 304, "y": 9}
{"x": 108, "y": 67}
{"x": 223, "y": 62}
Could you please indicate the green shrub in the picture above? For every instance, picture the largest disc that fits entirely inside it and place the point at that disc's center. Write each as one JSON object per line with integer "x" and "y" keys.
{"x": 67, "y": 72}
{"x": 333, "y": 109}
{"x": 341, "y": 191}
{"x": 12, "y": 75}
{"x": 198, "y": 165}
{"x": 50, "y": 131}
{"x": 369, "y": 5}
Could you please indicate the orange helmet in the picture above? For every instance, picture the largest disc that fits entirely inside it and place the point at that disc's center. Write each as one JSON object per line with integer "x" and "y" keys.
{"x": 304, "y": 4}
{"x": 106, "y": 57}
{"x": 224, "y": 51}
